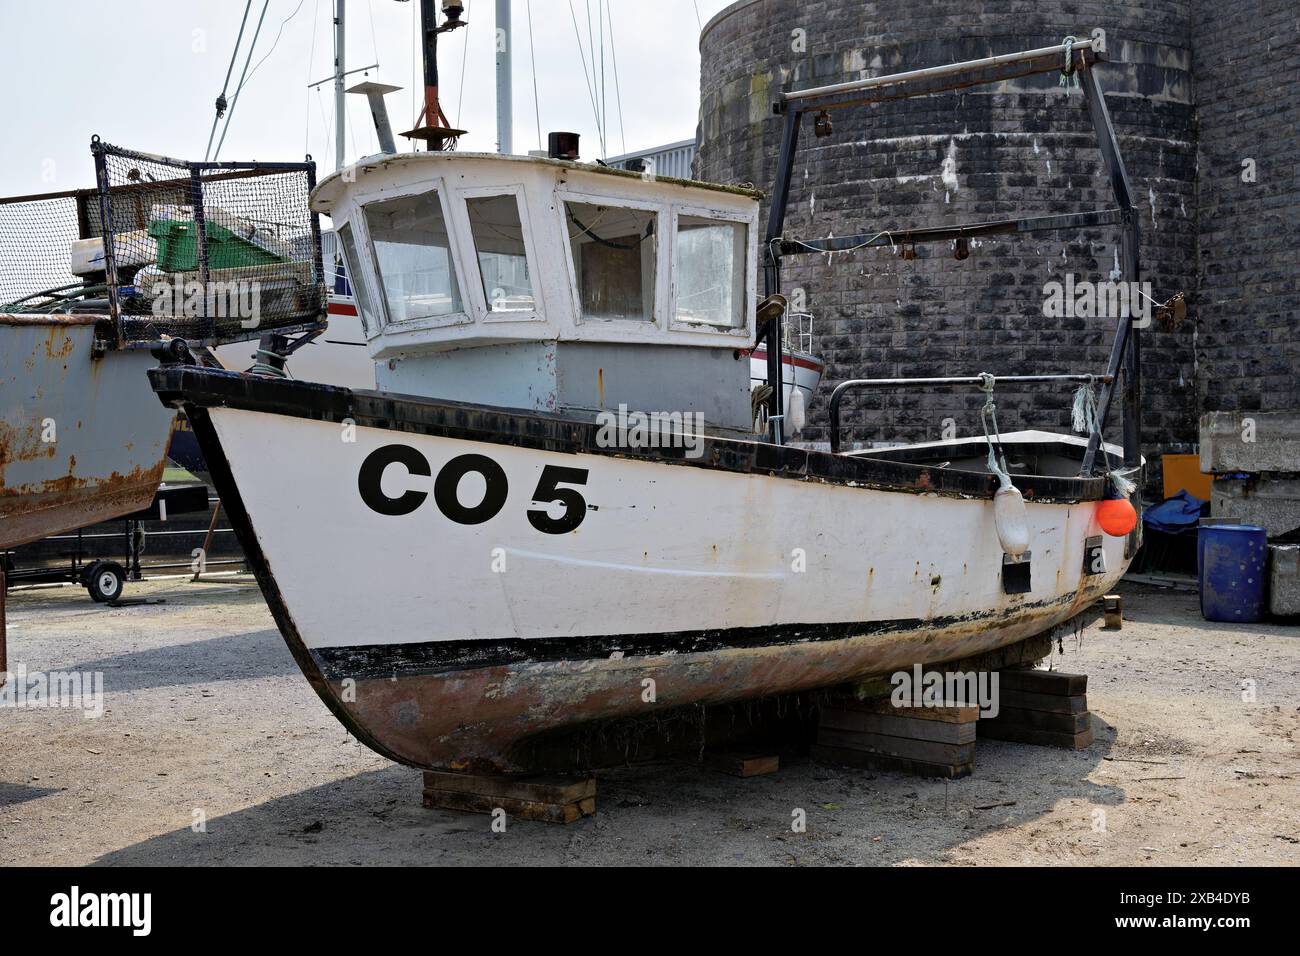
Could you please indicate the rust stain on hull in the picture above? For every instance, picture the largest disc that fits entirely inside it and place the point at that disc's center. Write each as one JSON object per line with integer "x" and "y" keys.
{"x": 28, "y": 514}
{"x": 476, "y": 719}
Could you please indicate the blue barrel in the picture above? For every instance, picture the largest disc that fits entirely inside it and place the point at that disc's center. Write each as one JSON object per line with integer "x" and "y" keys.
{"x": 1232, "y": 560}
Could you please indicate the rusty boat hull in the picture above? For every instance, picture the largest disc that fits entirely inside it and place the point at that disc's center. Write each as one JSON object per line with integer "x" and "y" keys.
{"x": 607, "y": 605}
{"x": 82, "y": 438}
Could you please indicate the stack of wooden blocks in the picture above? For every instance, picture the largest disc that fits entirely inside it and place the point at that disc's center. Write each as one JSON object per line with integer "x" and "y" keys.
{"x": 545, "y": 799}
{"x": 1041, "y": 707}
{"x": 928, "y": 741}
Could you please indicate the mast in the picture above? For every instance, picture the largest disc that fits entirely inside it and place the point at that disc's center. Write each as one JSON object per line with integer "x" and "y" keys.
{"x": 505, "y": 93}
{"x": 436, "y": 131}
{"x": 340, "y": 118}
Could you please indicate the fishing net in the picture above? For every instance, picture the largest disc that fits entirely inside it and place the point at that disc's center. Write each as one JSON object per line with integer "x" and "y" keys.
{"x": 210, "y": 252}
{"x": 36, "y": 237}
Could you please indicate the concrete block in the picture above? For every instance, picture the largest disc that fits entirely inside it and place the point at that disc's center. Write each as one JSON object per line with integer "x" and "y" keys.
{"x": 1284, "y": 579}
{"x": 1271, "y": 503}
{"x": 1250, "y": 441}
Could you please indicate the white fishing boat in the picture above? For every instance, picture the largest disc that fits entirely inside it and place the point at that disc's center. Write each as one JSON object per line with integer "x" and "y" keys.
{"x": 554, "y": 508}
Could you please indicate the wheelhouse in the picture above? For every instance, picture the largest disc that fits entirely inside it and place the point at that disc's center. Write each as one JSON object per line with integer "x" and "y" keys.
{"x": 549, "y": 284}
{"x": 451, "y": 250}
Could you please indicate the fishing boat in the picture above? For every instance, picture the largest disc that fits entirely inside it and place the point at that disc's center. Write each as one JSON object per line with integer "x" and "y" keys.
{"x": 555, "y": 510}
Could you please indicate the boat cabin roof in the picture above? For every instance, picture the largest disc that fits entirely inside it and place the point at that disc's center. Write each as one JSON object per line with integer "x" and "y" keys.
{"x": 452, "y": 250}
{"x": 328, "y": 191}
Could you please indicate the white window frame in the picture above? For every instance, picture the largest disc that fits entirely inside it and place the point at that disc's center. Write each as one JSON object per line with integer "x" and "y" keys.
{"x": 480, "y": 304}
{"x": 352, "y": 217}
{"x": 748, "y": 282}
{"x": 439, "y": 186}
{"x": 663, "y": 262}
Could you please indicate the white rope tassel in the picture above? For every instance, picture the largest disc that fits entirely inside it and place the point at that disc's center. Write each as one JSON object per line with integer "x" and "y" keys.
{"x": 1123, "y": 485}
{"x": 1083, "y": 416}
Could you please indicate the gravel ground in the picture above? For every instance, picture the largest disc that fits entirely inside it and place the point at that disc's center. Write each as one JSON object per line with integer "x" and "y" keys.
{"x": 207, "y": 718}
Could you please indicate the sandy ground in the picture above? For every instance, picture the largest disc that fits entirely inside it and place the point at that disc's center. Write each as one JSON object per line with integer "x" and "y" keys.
{"x": 208, "y": 718}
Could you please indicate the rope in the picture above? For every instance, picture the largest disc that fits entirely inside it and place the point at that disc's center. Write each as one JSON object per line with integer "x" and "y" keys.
{"x": 989, "y": 416}
{"x": 1084, "y": 419}
{"x": 758, "y": 400}
{"x": 1069, "y": 73}
{"x": 262, "y": 368}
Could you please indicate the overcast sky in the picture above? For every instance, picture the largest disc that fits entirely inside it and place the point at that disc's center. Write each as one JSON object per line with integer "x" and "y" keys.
{"x": 145, "y": 74}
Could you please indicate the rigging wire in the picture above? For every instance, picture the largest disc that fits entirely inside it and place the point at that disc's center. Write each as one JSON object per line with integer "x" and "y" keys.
{"x": 698, "y": 21}
{"x": 464, "y": 58}
{"x": 582, "y": 53}
{"x": 221, "y": 100}
{"x": 273, "y": 45}
{"x": 618, "y": 92}
{"x": 604, "y": 90}
{"x": 600, "y": 120}
{"x": 311, "y": 60}
{"x": 532, "y": 48}
{"x": 235, "y": 101}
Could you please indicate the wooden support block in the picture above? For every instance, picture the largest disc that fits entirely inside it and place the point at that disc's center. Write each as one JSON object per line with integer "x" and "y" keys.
{"x": 927, "y": 741}
{"x": 742, "y": 763}
{"x": 907, "y": 747}
{"x": 1043, "y": 682}
{"x": 941, "y": 731}
{"x": 1113, "y": 607}
{"x": 869, "y": 760}
{"x": 950, "y": 713}
{"x": 1052, "y": 703}
{"x": 545, "y": 799}
{"x": 1030, "y": 735}
{"x": 1037, "y": 720}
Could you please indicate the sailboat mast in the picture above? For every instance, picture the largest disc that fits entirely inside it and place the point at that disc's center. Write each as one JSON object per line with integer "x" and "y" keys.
{"x": 505, "y": 105}
{"x": 340, "y": 118}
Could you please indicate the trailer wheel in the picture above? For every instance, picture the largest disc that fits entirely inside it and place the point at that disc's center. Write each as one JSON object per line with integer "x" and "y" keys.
{"x": 105, "y": 581}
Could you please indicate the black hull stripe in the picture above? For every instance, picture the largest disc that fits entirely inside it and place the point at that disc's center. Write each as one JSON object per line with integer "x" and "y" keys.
{"x": 206, "y": 387}
{"x": 384, "y": 661}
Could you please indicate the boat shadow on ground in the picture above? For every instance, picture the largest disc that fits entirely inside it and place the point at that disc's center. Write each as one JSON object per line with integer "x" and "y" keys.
{"x": 229, "y": 657}
{"x": 680, "y": 813}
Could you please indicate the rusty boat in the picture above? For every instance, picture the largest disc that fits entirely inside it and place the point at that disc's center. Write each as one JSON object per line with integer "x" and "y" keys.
{"x": 87, "y": 279}
{"x": 556, "y": 508}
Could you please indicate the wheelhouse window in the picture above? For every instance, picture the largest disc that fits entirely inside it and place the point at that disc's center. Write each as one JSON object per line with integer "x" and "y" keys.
{"x": 502, "y": 261}
{"x": 356, "y": 280}
{"x": 413, "y": 257}
{"x": 613, "y": 260}
{"x": 710, "y": 272}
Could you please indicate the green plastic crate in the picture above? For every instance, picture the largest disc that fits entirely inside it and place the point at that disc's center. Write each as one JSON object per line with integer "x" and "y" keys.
{"x": 178, "y": 247}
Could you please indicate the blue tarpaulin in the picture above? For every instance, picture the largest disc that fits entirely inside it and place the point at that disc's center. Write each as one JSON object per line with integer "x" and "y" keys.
{"x": 1177, "y": 514}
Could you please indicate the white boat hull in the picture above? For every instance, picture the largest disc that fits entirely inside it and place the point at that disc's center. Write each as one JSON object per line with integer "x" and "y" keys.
{"x": 446, "y": 643}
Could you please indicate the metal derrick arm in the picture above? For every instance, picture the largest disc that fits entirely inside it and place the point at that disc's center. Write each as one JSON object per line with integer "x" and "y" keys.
{"x": 1084, "y": 54}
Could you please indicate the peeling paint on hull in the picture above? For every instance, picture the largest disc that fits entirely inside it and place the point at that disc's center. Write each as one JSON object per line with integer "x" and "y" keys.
{"x": 475, "y": 720}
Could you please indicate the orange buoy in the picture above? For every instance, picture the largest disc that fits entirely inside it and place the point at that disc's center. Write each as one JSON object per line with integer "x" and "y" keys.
{"x": 1117, "y": 516}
